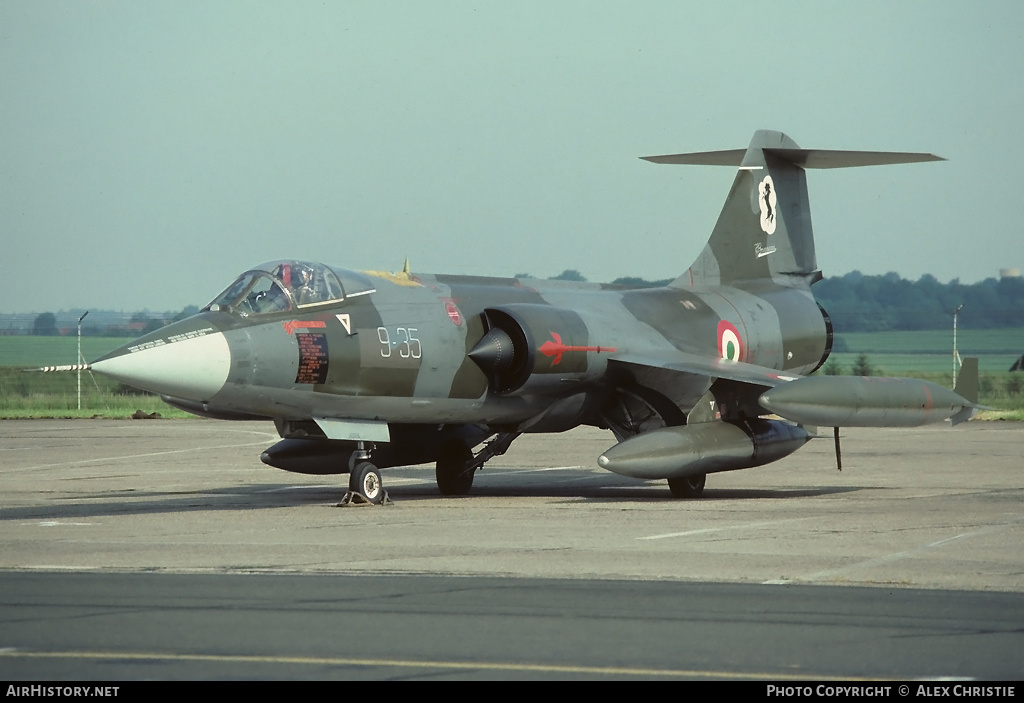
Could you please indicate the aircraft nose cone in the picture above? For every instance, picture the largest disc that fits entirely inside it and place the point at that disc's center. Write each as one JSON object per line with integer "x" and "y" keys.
{"x": 190, "y": 365}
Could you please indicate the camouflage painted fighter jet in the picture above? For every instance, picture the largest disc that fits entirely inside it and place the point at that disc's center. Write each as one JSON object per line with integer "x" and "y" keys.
{"x": 366, "y": 370}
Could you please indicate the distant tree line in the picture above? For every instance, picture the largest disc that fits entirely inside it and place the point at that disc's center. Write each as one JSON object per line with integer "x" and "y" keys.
{"x": 855, "y": 302}
{"x": 629, "y": 281}
{"x": 859, "y": 303}
{"x": 103, "y": 323}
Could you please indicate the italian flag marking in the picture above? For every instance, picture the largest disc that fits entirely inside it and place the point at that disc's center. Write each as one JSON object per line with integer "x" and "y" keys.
{"x": 730, "y": 346}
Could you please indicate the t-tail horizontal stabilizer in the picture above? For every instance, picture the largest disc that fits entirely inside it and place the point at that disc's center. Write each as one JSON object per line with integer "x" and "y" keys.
{"x": 764, "y": 230}
{"x": 804, "y": 158}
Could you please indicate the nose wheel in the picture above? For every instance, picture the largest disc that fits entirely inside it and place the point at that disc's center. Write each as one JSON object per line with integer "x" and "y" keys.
{"x": 364, "y": 482}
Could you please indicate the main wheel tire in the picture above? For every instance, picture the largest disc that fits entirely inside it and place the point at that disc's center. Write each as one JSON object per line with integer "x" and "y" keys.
{"x": 452, "y": 460}
{"x": 687, "y": 486}
{"x": 365, "y": 480}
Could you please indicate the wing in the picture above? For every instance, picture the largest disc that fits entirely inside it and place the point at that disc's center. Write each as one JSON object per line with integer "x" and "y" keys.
{"x": 831, "y": 401}
{"x": 706, "y": 367}
{"x": 675, "y": 385}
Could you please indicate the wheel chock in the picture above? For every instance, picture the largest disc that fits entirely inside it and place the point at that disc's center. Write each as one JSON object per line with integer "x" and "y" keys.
{"x": 357, "y": 498}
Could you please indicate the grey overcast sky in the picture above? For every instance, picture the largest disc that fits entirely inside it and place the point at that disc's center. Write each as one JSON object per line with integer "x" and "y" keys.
{"x": 151, "y": 151}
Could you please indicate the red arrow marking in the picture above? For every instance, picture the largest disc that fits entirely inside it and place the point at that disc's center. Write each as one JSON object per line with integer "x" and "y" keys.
{"x": 555, "y": 348}
{"x": 291, "y": 325}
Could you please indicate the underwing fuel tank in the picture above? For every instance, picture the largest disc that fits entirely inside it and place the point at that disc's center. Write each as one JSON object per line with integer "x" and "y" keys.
{"x": 303, "y": 456}
{"x": 412, "y": 444}
{"x": 703, "y": 448}
{"x": 863, "y": 401}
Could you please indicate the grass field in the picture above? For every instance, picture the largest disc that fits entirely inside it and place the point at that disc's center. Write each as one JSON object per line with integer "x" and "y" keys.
{"x": 928, "y": 354}
{"x": 110, "y": 409}
{"x": 25, "y": 393}
{"x": 893, "y": 364}
{"x": 33, "y": 394}
{"x": 969, "y": 342}
{"x": 31, "y": 351}
{"x": 929, "y": 351}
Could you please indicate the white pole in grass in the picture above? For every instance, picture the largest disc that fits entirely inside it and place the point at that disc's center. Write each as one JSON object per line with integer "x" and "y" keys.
{"x": 80, "y": 359}
{"x": 956, "y": 356}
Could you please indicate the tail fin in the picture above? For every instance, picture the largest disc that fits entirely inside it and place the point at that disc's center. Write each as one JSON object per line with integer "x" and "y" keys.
{"x": 967, "y": 380}
{"x": 966, "y": 387}
{"x": 764, "y": 230}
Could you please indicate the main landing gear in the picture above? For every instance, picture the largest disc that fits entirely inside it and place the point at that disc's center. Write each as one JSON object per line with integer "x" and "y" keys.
{"x": 687, "y": 486}
{"x": 456, "y": 463}
{"x": 454, "y": 477}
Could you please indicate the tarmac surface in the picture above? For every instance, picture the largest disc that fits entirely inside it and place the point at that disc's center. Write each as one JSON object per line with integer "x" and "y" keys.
{"x": 920, "y": 536}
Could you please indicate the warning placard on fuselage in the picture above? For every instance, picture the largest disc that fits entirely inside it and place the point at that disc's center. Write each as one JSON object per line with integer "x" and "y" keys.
{"x": 313, "y": 358}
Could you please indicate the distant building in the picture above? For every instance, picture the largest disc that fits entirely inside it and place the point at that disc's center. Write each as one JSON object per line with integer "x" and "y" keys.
{"x": 1009, "y": 273}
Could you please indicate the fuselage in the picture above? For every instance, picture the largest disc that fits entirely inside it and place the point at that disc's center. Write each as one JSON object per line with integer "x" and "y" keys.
{"x": 396, "y": 347}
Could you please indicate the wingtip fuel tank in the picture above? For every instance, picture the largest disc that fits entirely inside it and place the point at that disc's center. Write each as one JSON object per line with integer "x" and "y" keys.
{"x": 863, "y": 401}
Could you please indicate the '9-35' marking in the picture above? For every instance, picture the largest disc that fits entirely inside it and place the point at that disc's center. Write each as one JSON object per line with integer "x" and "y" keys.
{"x": 406, "y": 342}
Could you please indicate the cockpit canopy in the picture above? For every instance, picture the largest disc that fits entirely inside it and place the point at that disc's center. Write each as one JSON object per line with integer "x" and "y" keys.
{"x": 280, "y": 286}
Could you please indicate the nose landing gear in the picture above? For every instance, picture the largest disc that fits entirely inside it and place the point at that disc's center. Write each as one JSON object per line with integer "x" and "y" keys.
{"x": 365, "y": 486}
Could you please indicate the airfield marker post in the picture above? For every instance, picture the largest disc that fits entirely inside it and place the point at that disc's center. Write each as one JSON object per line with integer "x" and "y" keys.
{"x": 80, "y": 359}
